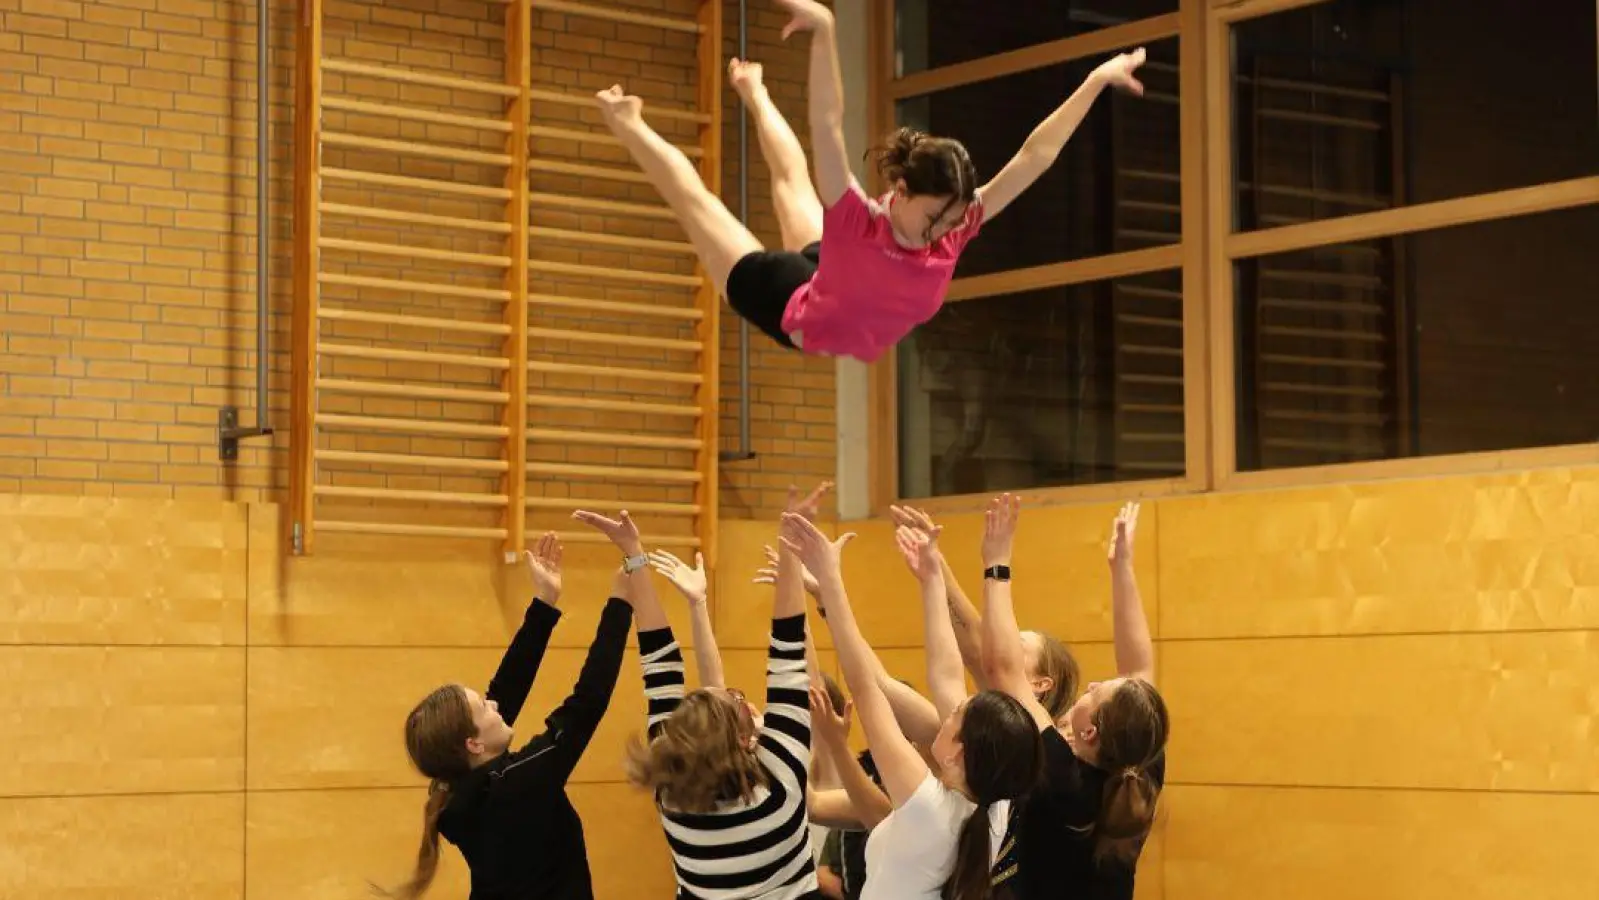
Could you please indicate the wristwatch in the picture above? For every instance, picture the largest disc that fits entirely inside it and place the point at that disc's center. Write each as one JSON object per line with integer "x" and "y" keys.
{"x": 997, "y": 573}
{"x": 631, "y": 564}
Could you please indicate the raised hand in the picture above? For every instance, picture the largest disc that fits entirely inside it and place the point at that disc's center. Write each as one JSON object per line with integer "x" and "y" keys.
{"x": 621, "y": 531}
{"x": 689, "y": 581}
{"x": 920, "y": 552}
{"x": 808, "y": 16}
{"x": 767, "y": 574}
{"x": 1120, "y": 552}
{"x": 1118, "y": 71}
{"x": 831, "y": 726}
{"x": 810, "y": 504}
{"x": 544, "y": 564}
{"x": 814, "y": 549}
{"x": 999, "y": 529}
{"x": 913, "y": 518}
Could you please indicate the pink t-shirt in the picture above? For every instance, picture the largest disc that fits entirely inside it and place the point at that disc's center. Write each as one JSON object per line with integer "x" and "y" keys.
{"x": 868, "y": 291}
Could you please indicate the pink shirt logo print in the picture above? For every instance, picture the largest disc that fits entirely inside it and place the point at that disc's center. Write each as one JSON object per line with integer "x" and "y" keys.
{"x": 869, "y": 292}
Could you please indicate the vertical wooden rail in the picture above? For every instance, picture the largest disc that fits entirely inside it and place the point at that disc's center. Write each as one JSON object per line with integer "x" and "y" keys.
{"x": 307, "y": 228}
{"x": 708, "y": 298}
{"x": 518, "y": 74}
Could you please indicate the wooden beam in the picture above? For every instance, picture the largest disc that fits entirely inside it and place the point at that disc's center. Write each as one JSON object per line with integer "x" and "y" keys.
{"x": 882, "y": 377}
{"x": 1094, "y": 43}
{"x": 518, "y": 115}
{"x": 298, "y": 523}
{"x": 1229, "y": 11}
{"x": 1523, "y": 201}
{"x": 1192, "y": 125}
{"x": 1219, "y": 333}
{"x": 1074, "y": 271}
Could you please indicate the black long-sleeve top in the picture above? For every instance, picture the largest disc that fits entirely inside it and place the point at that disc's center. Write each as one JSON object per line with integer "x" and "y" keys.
{"x": 510, "y": 818}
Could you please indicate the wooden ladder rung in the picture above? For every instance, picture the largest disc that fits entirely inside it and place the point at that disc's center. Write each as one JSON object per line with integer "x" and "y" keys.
{"x": 644, "y": 210}
{"x": 451, "y": 256}
{"x": 618, "y": 372}
{"x": 649, "y": 540}
{"x": 330, "y": 173}
{"x": 386, "y": 73}
{"x": 354, "y": 315}
{"x": 606, "y": 239}
{"x": 414, "y": 287}
{"x": 421, "y": 391}
{"x": 594, "y": 137}
{"x": 396, "y": 495}
{"x": 648, "y": 506}
{"x": 412, "y": 218}
{"x": 665, "y": 279}
{"x": 413, "y": 460}
{"x": 412, "y": 148}
{"x": 409, "y": 426}
{"x": 345, "y": 104}
{"x": 616, "y": 473}
{"x": 615, "y": 340}
{"x": 611, "y": 439}
{"x": 664, "y": 310}
{"x": 588, "y": 10}
{"x": 540, "y": 95}
{"x": 581, "y": 170}
{"x": 396, "y": 528}
{"x": 550, "y": 401}
{"x": 357, "y": 351}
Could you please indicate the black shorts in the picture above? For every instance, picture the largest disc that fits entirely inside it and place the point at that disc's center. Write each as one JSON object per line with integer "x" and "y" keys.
{"x": 760, "y": 285}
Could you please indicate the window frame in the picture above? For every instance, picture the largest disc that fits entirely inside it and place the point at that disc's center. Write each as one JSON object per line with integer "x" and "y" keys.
{"x": 1206, "y": 253}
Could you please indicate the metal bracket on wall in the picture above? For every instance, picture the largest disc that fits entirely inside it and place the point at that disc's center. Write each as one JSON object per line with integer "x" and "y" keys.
{"x": 229, "y": 433}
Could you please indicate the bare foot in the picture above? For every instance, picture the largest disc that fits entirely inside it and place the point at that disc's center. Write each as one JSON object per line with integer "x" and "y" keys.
{"x": 745, "y": 76}
{"x": 618, "y": 108}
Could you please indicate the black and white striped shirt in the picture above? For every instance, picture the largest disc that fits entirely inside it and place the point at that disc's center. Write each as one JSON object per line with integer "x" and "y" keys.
{"x": 756, "y": 849}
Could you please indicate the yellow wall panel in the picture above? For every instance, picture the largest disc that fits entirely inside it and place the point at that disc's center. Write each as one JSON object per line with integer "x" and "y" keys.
{"x": 327, "y": 845}
{"x": 883, "y": 594}
{"x": 90, "y": 720}
{"x": 1223, "y": 843}
{"x": 1502, "y": 711}
{"x": 152, "y": 847}
{"x": 102, "y": 570}
{"x": 335, "y": 717}
{"x": 1485, "y": 553}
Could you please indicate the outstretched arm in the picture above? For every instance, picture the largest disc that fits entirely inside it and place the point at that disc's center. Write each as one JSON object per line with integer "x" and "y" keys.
{"x": 901, "y": 767}
{"x": 826, "y": 98}
{"x": 1043, "y": 146}
{"x": 963, "y": 615}
{"x": 1135, "y": 652}
{"x": 946, "y": 679}
{"x": 861, "y": 803}
{"x": 1002, "y": 639}
{"x": 520, "y": 665}
{"x": 693, "y": 585}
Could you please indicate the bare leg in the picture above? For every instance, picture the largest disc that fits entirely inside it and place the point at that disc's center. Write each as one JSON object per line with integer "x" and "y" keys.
{"x": 799, "y": 210}
{"x": 718, "y": 236}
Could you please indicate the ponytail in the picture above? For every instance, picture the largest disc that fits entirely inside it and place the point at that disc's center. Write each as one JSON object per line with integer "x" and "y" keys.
{"x": 427, "y": 856}
{"x": 970, "y": 878}
{"x": 1132, "y": 725}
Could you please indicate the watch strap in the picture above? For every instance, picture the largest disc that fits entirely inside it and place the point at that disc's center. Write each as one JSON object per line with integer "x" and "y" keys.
{"x": 631, "y": 564}
{"x": 997, "y": 573}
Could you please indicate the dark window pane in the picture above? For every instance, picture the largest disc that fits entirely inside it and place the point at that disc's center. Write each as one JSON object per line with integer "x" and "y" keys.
{"x": 933, "y": 33}
{"x": 1113, "y": 188}
{"x": 1073, "y": 385}
{"x": 1351, "y": 105}
{"x": 1474, "y": 338}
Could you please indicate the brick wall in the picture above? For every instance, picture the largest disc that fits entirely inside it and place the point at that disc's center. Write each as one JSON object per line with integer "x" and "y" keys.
{"x": 127, "y": 241}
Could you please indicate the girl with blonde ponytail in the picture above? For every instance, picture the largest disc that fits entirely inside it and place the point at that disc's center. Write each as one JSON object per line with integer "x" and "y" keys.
{"x": 507, "y": 810}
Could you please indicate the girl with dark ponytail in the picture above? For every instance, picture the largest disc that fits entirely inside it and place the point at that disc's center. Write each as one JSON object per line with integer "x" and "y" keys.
{"x": 1081, "y": 833}
{"x": 855, "y": 274}
{"x": 945, "y": 829}
{"x": 506, "y": 810}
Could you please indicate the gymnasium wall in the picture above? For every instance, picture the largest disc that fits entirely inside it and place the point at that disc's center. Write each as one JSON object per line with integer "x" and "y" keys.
{"x": 127, "y": 228}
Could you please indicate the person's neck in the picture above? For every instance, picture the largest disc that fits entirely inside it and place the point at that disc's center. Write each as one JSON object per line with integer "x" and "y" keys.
{"x": 1080, "y": 749}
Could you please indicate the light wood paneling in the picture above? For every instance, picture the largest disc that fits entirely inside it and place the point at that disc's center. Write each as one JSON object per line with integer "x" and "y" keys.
{"x": 1466, "y": 711}
{"x": 103, "y": 570}
{"x": 742, "y": 608}
{"x": 173, "y": 847}
{"x": 90, "y": 720}
{"x": 326, "y": 845}
{"x": 334, "y": 717}
{"x": 1223, "y": 843}
{"x": 1482, "y": 553}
